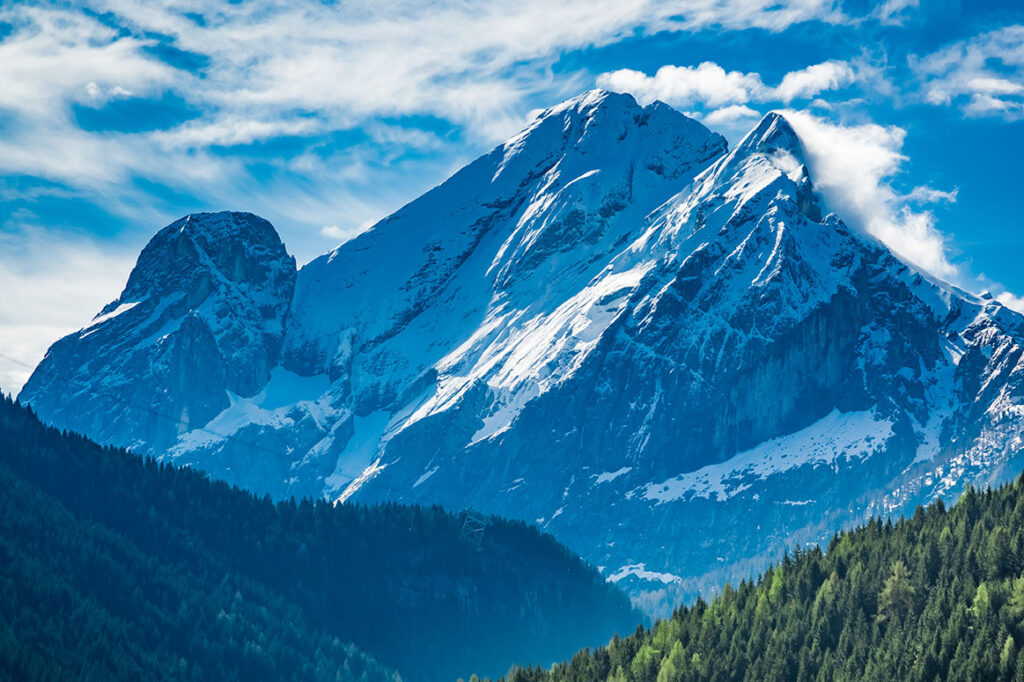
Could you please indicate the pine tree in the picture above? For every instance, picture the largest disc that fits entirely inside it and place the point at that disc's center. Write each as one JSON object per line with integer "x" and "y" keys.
{"x": 897, "y": 596}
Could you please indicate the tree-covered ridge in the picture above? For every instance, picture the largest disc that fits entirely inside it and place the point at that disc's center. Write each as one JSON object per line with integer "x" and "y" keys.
{"x": 149, "y": 556}
{"x": 939, "y": 596}
{"x": 79, "y": 602}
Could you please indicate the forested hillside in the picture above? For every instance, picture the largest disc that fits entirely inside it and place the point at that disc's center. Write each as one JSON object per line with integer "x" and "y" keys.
{"x": 116, "y": 567}
{"x": 79, "y": 602}
{"x": 938, "y": 596}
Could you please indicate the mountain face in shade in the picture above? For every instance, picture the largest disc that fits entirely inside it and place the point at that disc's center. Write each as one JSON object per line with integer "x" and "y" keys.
{"x": 667, "y": 353}
{"x": 201, "y": 318}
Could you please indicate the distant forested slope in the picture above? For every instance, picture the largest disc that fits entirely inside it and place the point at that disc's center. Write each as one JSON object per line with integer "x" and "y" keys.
{"x": 116, "y": 567}
{"x": 938, "y": 596}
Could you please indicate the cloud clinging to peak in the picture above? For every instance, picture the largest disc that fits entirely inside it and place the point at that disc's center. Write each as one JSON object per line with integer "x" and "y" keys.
{"x": 853, "y": 166}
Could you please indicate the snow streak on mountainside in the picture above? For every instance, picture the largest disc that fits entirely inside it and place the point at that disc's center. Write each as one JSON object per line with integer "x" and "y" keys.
{"x": 666, "y": 353}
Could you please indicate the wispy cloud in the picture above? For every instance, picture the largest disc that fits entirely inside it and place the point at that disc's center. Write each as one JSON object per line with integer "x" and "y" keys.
{"x": 50, "y": 281}
{"x": 983, "y": 76}
{"x": 894, "y": 11}
{"x": 260, "y": 71}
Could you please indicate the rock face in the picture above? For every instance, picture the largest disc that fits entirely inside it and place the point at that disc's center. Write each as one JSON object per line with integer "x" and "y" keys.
{"x": 200, "y": 320}
{"x": 668, "y": 354}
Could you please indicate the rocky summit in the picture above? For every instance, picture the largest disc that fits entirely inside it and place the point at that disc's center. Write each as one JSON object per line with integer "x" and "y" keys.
{"x": 669, "y": 354}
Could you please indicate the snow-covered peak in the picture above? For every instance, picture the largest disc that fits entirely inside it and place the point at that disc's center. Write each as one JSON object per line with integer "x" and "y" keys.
{"x": 591, "y": 106}
{"x": 590, "y": 99}
{"x": 236, "y": 247}
{"x": 596, "y": 122}
{"x": 768, "y": 165}
{"x": 771, "y": 134}
{"x": 525, "y": 224}
{"x": 202, "y": 314}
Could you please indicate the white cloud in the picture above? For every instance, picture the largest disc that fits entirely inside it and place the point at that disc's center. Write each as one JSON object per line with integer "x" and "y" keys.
{"x": 981, "y": 104}
{"x": 983, "y": 75}
{"x": 997, "y": 87}
{"x": 806, "y": 83}
{"x": 334, "y": 232}
{"x": 59, "y": 56}
{"x": 731, "y": 115}
{"x": 929, "y": 195}
{"x": 711, "y": 86}
{"x": 232, "y": 130}
{"x": 341, "y": 234}
{"x": 1011, "y": 301}
{"x": 56, "y": 58}
{"x": 707, "y": 83}
{"x": 852, "y": 167}
{"x": 52, "y": 286}
{"x": 892, "y": 11}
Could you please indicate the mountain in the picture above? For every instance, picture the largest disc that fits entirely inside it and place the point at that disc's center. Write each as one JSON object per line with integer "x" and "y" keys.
{"x": 611, "y": 326}
{"x": 938, "y": 596}
{"x": 201, "y": 318}
{"x": 119, "y": 567}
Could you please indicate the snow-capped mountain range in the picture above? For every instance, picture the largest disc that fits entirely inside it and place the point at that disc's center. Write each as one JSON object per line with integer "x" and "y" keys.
{"x": 665, "y": 352}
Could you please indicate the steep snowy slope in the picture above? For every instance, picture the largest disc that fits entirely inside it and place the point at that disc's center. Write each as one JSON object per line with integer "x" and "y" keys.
{"x": 666, "y": 353}
{"x": 465, "y": 274}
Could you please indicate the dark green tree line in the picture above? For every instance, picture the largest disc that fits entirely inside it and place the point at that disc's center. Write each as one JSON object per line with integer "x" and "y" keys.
{"x": 125, "y": 565}
{"x": 938, "y": 596}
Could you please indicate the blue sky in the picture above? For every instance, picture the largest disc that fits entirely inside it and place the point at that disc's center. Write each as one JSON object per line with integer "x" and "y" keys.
{"x": 118, "y": 116}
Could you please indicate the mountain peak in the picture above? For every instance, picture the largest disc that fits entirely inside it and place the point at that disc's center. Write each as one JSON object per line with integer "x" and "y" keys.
{"x": 239, "y": 246}
{"x": 599, "y": 105}
{"x": 577, "y": 120}
{"x": 202, "y": 314}
{"x": 589, "y": 102}
{"x": 215, "y": 231}
{"x": 594, "y": 122}
{"x": 222, "y": 223}
{"x": 771, "y": 151}
{"x": 771, "y": 134}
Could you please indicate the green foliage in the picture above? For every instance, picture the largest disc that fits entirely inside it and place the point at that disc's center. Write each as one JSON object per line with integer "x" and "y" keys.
{"x": 897, "y": 596}
{"x": 113, "y": 567}
{"x": 938, "y": 596}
